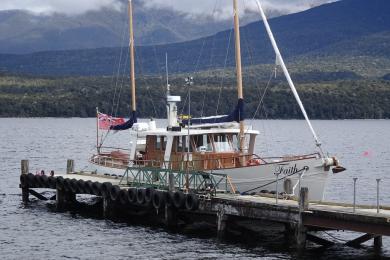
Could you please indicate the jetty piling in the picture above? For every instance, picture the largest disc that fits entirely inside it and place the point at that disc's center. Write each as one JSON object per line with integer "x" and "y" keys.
{"x": 301, "y": 219}
{"x": 25, "y": 189}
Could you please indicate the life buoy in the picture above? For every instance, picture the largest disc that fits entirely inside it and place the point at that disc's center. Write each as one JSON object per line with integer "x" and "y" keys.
{"x": 114, "y": 192}
{"x": 132, "y": 195}
{"x": 179, "y": 199}
{"x": 253, "y": 162}
{"x": 158, "y": 199}
{"x": 192, "y": 202}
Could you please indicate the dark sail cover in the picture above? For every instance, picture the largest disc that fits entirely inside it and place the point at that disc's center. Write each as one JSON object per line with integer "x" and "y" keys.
{"x": 128, "y": 124}
{"x": 237, "y": 115}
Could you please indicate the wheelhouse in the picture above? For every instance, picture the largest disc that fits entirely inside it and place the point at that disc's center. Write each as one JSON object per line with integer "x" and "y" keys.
{"x": 200, "y": 149}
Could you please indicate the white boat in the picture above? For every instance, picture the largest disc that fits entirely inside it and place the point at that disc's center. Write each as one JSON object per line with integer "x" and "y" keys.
{"x": 222, "y": 144}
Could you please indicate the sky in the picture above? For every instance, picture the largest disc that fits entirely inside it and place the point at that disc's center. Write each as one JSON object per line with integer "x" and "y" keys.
{"x": 220, "y": 9}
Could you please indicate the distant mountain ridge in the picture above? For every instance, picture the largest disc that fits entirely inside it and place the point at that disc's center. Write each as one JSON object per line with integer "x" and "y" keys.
{"x": 348, "y": 28}
{"x": 26, "y": 32}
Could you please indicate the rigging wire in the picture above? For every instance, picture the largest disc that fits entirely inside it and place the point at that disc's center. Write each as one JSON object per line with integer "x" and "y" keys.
{"x": 224, "y": 67}
{"x": 142, "y": 78}
{"x": 210, "y": 61}
{"x": 119, "y": 67}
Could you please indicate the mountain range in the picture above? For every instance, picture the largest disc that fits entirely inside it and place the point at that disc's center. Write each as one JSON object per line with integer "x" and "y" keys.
{"x": 25, "y": 32}
{"x": 347, "y": 32}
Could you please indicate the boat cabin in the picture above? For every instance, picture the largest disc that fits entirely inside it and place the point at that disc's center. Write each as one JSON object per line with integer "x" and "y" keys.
{"x": 194, "y": 148}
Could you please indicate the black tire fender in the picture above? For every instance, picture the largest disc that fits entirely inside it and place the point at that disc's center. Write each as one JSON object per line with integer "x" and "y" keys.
{"x": 114, "y": 192}
{"x": 123, "y": 196}
{"x": 132, "y": 195}
{"x": 106, "y": 188}
{"x": 179, "y": 199}
{"x": 60, "y": 183}
{"x": 158, "y": 199}
{"x": 141, "y": 196}
{"x": 192, "y": 201}
{"x": 96, "y": 188}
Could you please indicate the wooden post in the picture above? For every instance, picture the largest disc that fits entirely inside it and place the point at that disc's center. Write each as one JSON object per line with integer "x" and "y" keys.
{"x": 378, "y": 243}
{"x": 300, "y": 232}
{"x": 24, "y": 169}
{"x": 303, "y": 199}
{"x": 69, "y": 166}
{"x": 171, "y": 212}
{"x": 171, "y": 182}
{"x": 288, "y": 187}
{"x": 107, "y": 206}
{"x": 60, "y": 199}
{"x": 221, "y": 224}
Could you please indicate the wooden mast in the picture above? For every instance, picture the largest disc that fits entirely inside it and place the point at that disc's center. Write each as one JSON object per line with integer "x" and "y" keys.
{"x": 132, "y": 70}
{"x": 238, "y": 67}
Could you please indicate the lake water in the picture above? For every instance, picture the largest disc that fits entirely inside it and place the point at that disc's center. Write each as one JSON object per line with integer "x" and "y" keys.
{"x": 35, "y": 232}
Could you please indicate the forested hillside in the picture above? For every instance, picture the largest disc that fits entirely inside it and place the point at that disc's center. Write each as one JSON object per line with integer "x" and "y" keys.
{"x": 78, "y": 97}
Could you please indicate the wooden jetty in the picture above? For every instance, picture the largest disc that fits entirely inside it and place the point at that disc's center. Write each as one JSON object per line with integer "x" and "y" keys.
{"x": 300, "y": 218}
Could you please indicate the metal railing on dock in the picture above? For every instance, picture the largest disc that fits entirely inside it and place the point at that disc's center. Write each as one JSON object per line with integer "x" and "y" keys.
{"x": 143, "y": 176}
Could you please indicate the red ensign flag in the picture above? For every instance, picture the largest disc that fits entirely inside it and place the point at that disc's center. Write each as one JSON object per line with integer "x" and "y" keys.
{"x": 105, "y": 121}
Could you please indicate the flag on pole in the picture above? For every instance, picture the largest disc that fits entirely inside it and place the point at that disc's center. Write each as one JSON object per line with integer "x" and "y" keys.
{"x": 106, "y": 121}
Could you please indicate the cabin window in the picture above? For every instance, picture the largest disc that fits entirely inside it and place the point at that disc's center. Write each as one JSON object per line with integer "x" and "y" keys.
{"x": 161, "y": 143}
{"x": 223, "y": 143}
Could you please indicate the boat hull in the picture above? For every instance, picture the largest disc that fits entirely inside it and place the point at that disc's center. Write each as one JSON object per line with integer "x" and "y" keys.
{"x": 263, "y": 177}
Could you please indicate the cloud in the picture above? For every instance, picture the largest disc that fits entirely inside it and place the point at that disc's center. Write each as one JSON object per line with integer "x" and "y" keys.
{"x": 70, "y": 7}
{"x": 222, "y": 9}
{"x": 219, "y": 9}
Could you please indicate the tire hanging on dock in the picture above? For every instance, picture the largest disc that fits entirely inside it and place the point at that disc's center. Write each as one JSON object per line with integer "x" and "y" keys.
{"x": 106, "y": 188}
{"x": 67, "y": 185}
{"x": 88, "y": 187}
{"x": 169, "y": 199}
{"x": 31, "y": 180}
{"x": 158, "y": 199}
{"x": 81, "y": 186}
{"x": 114, "y": 192}
{"x": 192, "y": 201}
{"x": 60, "y": 183}
{"x": 97, "y": 188}
{"x": 141, "y": 196}
{"x": 123, "y": 196}
{"x": 149, "y": 195}
{"x": 52, "y": 182}
{"x": 44, "y": 182}
{"x": 73, "y": 186}
{"x": 132, "y": 195}
{"x": 179, "y": 199}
